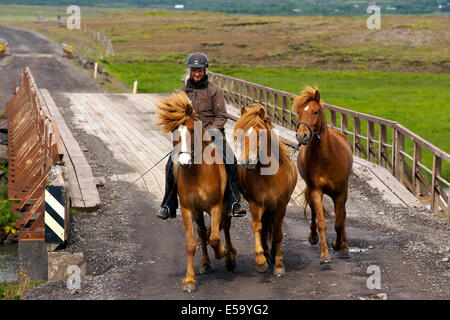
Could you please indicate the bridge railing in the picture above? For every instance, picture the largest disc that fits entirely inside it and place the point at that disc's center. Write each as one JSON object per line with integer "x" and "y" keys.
{"x": 381, "y": 141}
{"x": 34, "y": 146}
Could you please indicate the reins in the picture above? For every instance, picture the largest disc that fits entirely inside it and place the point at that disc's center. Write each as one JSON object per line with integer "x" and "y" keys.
{"x": 147, "y": 171}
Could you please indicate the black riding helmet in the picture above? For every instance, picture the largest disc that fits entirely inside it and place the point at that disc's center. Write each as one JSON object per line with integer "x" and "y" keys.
{"x": 197, "y": 60}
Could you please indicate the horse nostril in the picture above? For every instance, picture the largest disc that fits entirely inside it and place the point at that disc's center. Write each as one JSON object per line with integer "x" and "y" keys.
{"x": 304, "y": 136}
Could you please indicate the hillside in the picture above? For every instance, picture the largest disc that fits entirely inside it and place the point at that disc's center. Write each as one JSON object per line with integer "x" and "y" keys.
{"x": 267, "y": 7}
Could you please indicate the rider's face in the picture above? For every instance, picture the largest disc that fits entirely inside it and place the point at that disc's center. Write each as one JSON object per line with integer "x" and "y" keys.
{"x": 197, "y": 73}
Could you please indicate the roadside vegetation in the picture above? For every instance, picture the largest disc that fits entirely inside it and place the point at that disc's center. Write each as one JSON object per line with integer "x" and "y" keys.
{"x": 13, "y": 290}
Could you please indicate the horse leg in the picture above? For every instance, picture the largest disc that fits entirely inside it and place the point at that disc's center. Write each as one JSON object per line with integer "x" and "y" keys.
{"x": 230, "y": 259}
{"x": 265, "y": 246}
{"x": 260, "y": 259}
{"x": 214, "y": 239}
{"x": 278, "y": 269}
{"x": 313, "y": 236}
{"x": 189, "y": 283}
{"x": 202, "y": 231}
{"x": 316, "y": 199}
{"x": 340, "y": 245}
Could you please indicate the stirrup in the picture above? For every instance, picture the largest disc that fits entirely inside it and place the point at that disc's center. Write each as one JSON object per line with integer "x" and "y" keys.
{"x": 240, "y": 213}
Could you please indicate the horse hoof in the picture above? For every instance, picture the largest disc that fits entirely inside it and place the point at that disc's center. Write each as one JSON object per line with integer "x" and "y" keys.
{"x": 189, "y": 287}
{"x": 343, "y": 253}
{"x": 325, "y": 260}
{"x": 326, "y": 266}
{"x": 279, "y": 272}
{"x": 231, "y": 265}
{"x": 262, "y": 268}
{"x": 313, "y": 240}
{"x": 206, "y": 269}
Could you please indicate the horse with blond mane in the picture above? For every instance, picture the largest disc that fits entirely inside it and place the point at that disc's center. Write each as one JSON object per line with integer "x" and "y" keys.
{"x": 324, "y": 162}
{"x": 201, "y": 185}
{"x": 266, "y": 180}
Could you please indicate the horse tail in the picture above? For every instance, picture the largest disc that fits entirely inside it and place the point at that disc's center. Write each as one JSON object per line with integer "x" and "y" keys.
{"x": 307, "y": 196}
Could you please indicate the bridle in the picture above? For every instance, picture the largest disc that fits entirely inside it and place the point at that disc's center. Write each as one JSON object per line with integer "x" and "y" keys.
{"x": 313, "y": 133}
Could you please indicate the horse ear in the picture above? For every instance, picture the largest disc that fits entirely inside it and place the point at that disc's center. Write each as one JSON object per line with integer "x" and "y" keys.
{"x": 243, "y": 111}
{"x": 262, "y": 113}
{"x": 189, "y": 110}
{"x": 317, "y": 96}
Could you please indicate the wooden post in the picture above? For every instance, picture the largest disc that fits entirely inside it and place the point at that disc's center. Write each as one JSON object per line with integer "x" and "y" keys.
{"x": 344, "y": 126}
{"x": 284, "y": 121}
{"x": 293, "y": 115}
{"x": 241, "y": 94}
{"x": 95, "y": 70}
{"x": 333, "y": 121}
{"x": 370, "y": 138}
{"x": 417, "y": 158}
{"x": 356, "y": 132}
{"x": 435, "y": 183}
{"x": 381, "y": 148}
{"x": 269, "y": 107}
{"x": 399, "y": 159}
{"x": 135, "y": 84}
{"x": 261, "y": 98}
{"x": 276, "y": 112}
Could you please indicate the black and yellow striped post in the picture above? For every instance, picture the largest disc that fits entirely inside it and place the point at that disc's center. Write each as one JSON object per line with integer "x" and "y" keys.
{"x": 55, "y": 215}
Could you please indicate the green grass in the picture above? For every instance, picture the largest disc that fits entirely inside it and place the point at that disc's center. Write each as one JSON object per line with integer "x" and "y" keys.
{"x": 418, "y": 101}
{"x": 7, "y": 217}
{"x": 152, "y": 77}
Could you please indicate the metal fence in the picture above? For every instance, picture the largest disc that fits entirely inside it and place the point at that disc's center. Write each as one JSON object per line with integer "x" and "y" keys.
{"x": 378, "y": 140}
{"x": 34, "y": 145}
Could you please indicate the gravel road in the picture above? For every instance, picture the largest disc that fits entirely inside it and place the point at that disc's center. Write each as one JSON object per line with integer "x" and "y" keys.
{"x": 44, "y": 58}
{"x": 131, "y": 254}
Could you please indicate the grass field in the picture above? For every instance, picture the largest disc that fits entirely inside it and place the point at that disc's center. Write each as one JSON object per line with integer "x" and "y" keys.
{"x": 400, "y": 72}
{"x": 18, "y": 13}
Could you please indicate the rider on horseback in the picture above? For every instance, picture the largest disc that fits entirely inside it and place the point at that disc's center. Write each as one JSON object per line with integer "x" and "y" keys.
{"x": 208, "y": 102}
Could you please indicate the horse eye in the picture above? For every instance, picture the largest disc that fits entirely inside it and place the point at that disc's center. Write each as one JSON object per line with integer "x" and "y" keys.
{"x": 316, "y": 112}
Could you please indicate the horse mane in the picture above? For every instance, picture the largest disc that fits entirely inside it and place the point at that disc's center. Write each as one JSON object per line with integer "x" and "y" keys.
{"x": 308, "y": 94}
{"x": 174, "y": 111}
{"x": 253, "y": 118}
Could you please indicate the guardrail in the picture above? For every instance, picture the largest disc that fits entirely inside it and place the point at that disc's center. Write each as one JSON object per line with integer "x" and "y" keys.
{"x": 382, "y": 141}
{"x": 34, "y": 145}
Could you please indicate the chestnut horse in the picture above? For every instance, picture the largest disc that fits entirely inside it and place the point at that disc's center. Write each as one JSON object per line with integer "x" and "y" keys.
{"x": 201, "y": 186}
{"x": 325, "y": 163}
{"x": 266, "y": 180}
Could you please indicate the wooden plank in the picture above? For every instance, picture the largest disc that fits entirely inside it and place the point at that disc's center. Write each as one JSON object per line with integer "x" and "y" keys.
{"x": 127, "y": 139}
{"x": 77, "y": 160}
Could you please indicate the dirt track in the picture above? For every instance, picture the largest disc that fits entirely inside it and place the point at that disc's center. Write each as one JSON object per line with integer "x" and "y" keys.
{"x": 44, "y": 58}
{"x": 131, "y": 254}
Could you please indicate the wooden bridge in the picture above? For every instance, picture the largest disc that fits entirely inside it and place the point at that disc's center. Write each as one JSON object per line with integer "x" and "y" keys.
{"x": 126, "y": 124}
